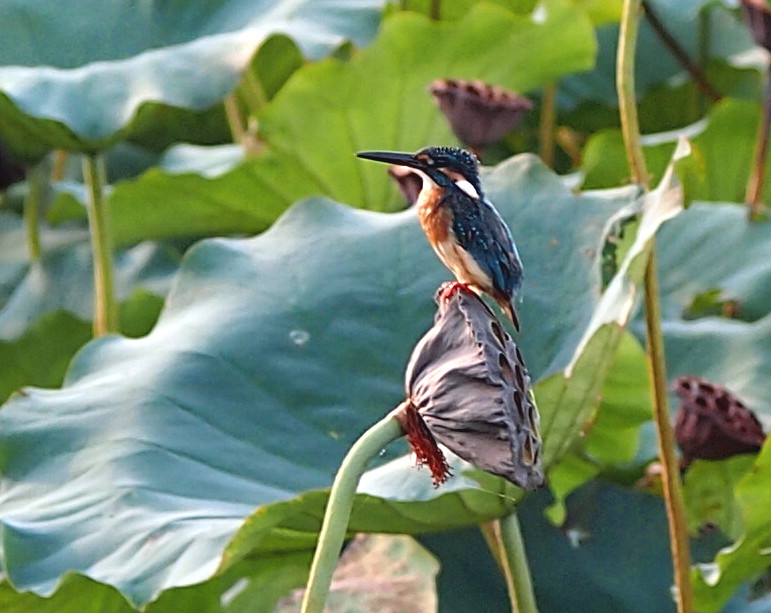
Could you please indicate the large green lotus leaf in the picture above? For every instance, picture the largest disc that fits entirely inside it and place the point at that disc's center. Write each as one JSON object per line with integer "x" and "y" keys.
{"x": 329, "y": 110}
{"x": 728, "y": 40}
{"x": 612, "y": 438}
{"x": 713, "y": 247}
{"x": 47, "y": 305}
{"x": 63, "y": 280}
{"x": 272, "y": 355}
{"x": 723, "y": 145}
{"x": 708, "y": 488}
{"x": 611, "y": 556}
{"x": 569, "y": 400}
{"x": 68, "y": 83}
{"x": 251, "y": 585}
{"x": 751, "y": 553}
{"x": 41, "y": 355}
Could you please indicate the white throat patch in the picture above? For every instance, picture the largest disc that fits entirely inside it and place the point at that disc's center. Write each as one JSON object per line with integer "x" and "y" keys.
{"x": 468, "y": 188}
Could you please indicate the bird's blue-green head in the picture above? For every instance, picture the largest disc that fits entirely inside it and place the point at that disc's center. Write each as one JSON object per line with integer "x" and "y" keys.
{"x": 444, "y": 166}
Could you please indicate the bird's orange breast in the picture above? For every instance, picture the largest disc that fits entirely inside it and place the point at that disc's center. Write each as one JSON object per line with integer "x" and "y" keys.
{"x": 434, "y": 218}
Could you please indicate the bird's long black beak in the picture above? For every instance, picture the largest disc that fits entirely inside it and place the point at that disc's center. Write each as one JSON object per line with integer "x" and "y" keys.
{"x": 392, "y": 157}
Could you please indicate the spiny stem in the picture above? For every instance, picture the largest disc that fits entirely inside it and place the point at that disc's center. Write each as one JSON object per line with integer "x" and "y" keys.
{"x": 520, "y": 584}
{"x": 754, "y": 196}
{"x": 32, "y": 203}
{"x": 673, "y": 496}
{"x": 106, "y": 306}
{"x": 338, "y": 510}
{"x": 547, "y": 124}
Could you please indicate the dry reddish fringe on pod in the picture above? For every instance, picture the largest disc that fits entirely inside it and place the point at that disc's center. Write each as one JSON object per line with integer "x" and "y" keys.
{"x": 468, "y": 388}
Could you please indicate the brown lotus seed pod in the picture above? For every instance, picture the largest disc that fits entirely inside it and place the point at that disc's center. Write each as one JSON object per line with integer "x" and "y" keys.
{"x": 712, "y": 423}
{"x": 479, "y": 114}
{"x": 757, "y": 15}
{"x": 410, "y": 183}
{"x": 467, "y": 381}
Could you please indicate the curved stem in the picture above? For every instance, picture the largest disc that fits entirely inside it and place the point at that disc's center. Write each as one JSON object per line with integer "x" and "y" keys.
{"x": 520, "y": 584}
{"x": 32, "y": 211}
{"x": 339, "y": 507}
{"x": 673, "y": 496}
{"x": 106, "y": 306}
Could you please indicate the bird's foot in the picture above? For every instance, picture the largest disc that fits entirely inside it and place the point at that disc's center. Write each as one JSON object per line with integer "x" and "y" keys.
{"x": 448, "y": 289}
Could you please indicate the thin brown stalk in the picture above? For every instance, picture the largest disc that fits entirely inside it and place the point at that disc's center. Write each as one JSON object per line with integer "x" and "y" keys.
{"x": 754, "y": 196}
{"x": 681, "y": 55}
{"x": 547, "y": 125}
{"x": 673, "y": 496}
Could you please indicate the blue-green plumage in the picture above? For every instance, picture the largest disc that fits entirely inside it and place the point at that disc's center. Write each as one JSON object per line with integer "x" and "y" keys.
{"x": 463, "y": 227}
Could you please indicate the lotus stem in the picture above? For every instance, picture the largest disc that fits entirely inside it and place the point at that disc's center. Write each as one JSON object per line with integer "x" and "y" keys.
{"x": 233, "y": 116}
{"x": 673, "y": 496}
{"x": 32, "y": 205}
{"x": 754, "y": 195}
{"x": 338, "y": 511}
{"x": 436, "y": 10}
{"x": 520, "y": 584}
{"x": 680, "y": 54}
{"x": 106, "y": 306}
{"x": 60, "y": 164}
{"x": 547, "y": 125}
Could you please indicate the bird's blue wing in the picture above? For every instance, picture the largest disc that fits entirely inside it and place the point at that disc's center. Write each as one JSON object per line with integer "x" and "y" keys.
{"x": 481, "y": 231}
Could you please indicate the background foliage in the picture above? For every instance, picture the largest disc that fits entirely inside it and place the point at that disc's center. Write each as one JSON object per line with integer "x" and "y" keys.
{"x": 183, "y": 464}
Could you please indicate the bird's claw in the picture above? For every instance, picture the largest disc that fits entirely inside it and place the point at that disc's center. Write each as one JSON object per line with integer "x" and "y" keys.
{"x": 448, "y": 289}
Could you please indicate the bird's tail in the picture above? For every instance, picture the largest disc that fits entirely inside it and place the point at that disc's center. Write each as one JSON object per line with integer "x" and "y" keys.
{"x": 508, "y": 307}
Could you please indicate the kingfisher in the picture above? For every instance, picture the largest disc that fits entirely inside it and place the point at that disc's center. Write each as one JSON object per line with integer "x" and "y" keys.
{"x": 464, "y": 228}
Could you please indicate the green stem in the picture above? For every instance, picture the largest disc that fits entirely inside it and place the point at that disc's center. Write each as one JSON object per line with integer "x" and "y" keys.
{"x": 547, "y": 124}
{"x": 106, "y": 306}
{"x": 520, "y": 584}
{"x": 630, "y": 126}
{"x": 60, "y": 165}
{"x": 32, "y": 204}
{"x": 673, "y": 496}
{"x": 754, "y": 196}
{"x": 255, "y": 95}
{"x": 436, "y": 10}
{"x": 233, "y": 116}
{"x": 338, "y": 511}
{"x": 670, "y": 470}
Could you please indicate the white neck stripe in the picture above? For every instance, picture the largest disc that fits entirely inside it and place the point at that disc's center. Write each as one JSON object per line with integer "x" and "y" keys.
{"x": 468, "y": 188}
